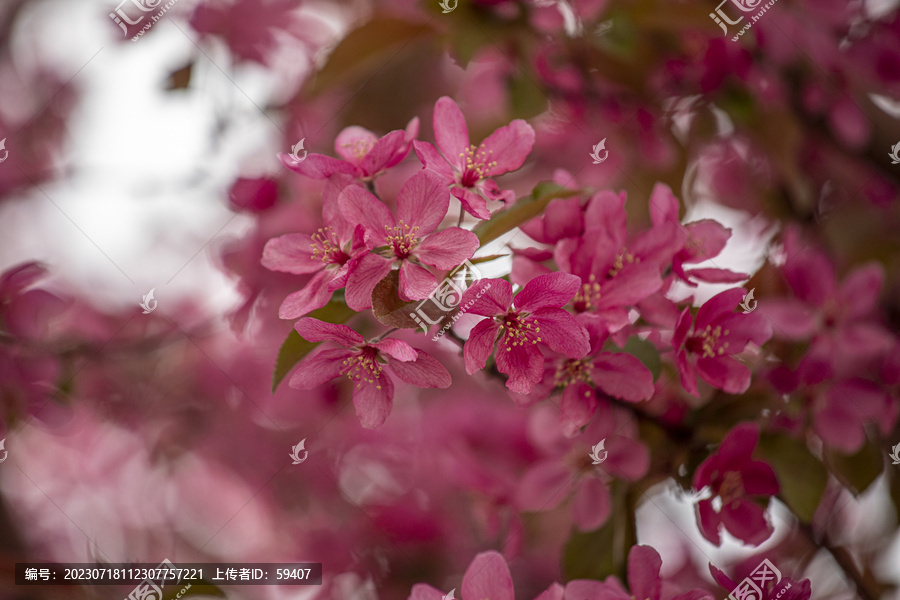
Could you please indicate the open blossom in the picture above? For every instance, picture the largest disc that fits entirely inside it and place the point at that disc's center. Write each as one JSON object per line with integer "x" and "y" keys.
{"x": 469, "y": 168}
{"x": 408, "y": 241}
{"x": 535, "y": 317}
{"x": 367, "y": 365}
{"x": 707, "y": 347}
{"x": 487, "y": 578}
{"x": 734, "y": 477}
{"x": 326, "y": 253}
{"x": 364, "y": 155}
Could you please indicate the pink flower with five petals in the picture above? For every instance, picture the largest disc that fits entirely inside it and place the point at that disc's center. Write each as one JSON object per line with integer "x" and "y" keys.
{"x": 469, "y": 168}
{"x": 366, "y": 364}
{"x": 421, "y": 205}
{"x": 536, "y": 317}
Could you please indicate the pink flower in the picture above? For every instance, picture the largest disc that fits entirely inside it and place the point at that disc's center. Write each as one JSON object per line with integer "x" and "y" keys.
{"x": 367, "y": 365}
{"x": 537, "y": 317}
{"x": 734, "y": 478}
{"x": 421, "y": 205}
{"x": 365, "y": 156}
{"x": 487, "y": 578}
{"x": 706, "y": 349}
{"x": 469, "y": 168}
{"x": 327, "y": 253}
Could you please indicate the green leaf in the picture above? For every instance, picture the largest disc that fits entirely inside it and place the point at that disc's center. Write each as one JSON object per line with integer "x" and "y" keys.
{"x": 645, "y": 352}
{"x": 801, "y": 476}
{"x": 859, "y": 470}
{"x": 365, "y": 47}
{"x": 295, "y": 347}
{"x": 523, "y": 210}
{"x": 603, "y": 552}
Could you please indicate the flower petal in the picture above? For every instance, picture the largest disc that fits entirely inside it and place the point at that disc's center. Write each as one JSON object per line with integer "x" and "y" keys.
{"x": 361, "y": 207}
{"x": 290, "y": 253}
{"x": 423, "y": 201}
{"x": 718, "y": 306}
{"x": 396, "y": 349}
{"x": 561, "y": 332}
{"x": 644, "y": 564}
{"x": 488, "y": 577}
{"x": 622, "y": 376}
{"x": 383, "y": 152}
{"x": 708, "y": 521}
{"x": 554, "y": 289}
{"x": 424, "y": 372}
{"x": 480, "y": 344}
{"x": 373, "y": 401}
{"x": 523, "y": 364}
{"x": 314, "y": 330}
{"x": 319, "y": 368}
{"x": 746, "y": 521}
{"x": 432, "y": 160}
{"x": 315, "y": 294}
{"x": 592, "y": 505}
{"x": 317, "y": 166}
{"x": 724, "y": 373}
{"x": 416, "y": 283}
{"x": 353, "y": 143}
{"x": 447, "y": 249}
{"x": 471, "y": 202}
{"x": 450, "y": 130}
{"x": 509, "y": 146}
{"x": 543, "y": 486}
{"x": 365, "y": 273}
{"x": 489, "y": 297}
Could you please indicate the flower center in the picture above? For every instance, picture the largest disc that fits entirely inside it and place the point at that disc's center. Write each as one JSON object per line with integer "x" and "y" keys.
{"x": 518, "y": 329}
{"x": 363, "y": 367}
{"x": 359, "y": 148}
{"x": 622, "y": 258}
{"x": 707, "y": 343}
{"x": 587, "y": 295}
{"x": 572, "y": 371}
{"x": 477, "y": 164}
{"x": 327, "y": 248}
{"x": 401, "y": 238}
{"x": 732, "y": 488}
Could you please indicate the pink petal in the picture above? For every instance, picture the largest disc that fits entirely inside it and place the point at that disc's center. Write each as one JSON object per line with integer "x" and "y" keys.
{"x": 314, "y": 330}
{"x": 708, "y": 520}
{"x": 644, "y": 564}
{"x": 471, "y": 202}
{"x": 554, "y": 289}
{"x": 480, "y": 344}
{"x": 697, "y": 595}
{"x": 316, "y": 370}
{"x": 397, "y": 349}
{"x": 707, "y": 238}
{"x": 716, "y": 275}
{"x": 791, "y": 319}
{"x": 811, "y": 276}
{"x": 423, "y": 591}
{"x": 554, "y": 592}
{"x": 719, "y": 305}
{"x": 365, "y": 273}
{"x": 383, "y": 152}
{"x": 759, "y": 479}
{"x": 509, "y": 146}
{"x": 317, "y": 166}
{"x": 450, "y": 130}
{"x": 447, "y": 249}
{"x": 488, "y": 297}
{"x": 543, "y": 486}
{"x": 416, "y": 283}
{"x": 424, "y": 372}
{"x": 432, "y": 160}
{"x": 290, "y": 254}
{"x": 489, "y": 189}
{"x": 627, "y": 459}
{"x": 632, "y": 285}
{"x": 605, "y": 212}
{"x": 663, "y": 205}
{"x": 746, "y": 521}
{"x": 577, "y": 406}
{"x": 352, "y": 139}
{"x": 361, "y": 207}
{"x": 373, "y": 401}
{"x": 423, "y": 201}
{"x": 561, "y": 332}
{"x": 742, "y": 329}
{"x": 688, "y": 373}
{"x": 315, "y": 294}
{"x": 523, "y": 364}
{"x": 622, "y": 376}
{"x": 859, "y": 292}
{"x": 738, "y": 445}
{"x": 592, "y": 505}
{"x": 725, "y": 373}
